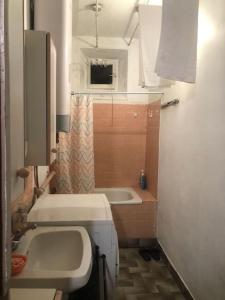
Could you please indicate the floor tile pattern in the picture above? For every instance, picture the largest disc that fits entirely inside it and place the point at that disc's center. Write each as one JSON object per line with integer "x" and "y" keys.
{"x": 141, "y": 280}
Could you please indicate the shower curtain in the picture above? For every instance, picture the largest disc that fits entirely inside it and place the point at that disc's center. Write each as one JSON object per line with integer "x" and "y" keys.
{"x": 75, "y": 163}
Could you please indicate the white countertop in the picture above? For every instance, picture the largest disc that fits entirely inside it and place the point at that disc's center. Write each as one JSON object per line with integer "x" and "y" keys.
{"x": 66, "y": 209}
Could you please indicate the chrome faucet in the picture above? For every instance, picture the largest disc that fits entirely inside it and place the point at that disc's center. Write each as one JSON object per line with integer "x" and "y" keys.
{"x": 20, "y": 217}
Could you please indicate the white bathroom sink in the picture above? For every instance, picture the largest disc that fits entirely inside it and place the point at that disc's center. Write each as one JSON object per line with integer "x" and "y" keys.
{"x": 57, "y": 257}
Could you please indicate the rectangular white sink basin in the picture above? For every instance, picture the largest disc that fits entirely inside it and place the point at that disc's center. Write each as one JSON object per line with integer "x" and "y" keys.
{"x": 57, "y": 257}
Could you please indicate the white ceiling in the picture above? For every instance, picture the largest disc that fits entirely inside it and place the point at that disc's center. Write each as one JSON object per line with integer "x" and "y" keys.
{"x": 112, "y": 20}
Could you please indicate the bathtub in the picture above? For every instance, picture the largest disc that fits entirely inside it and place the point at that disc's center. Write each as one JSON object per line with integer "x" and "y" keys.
{"x": 123, "y": 195}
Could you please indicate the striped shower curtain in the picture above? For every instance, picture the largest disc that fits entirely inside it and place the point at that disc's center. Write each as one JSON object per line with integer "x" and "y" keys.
{"x": 75, "y": 163}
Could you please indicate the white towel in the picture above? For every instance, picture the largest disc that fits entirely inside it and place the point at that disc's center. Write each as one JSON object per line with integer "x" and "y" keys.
{"x": 150, "y": 28}
{"x": 177, "y": 56}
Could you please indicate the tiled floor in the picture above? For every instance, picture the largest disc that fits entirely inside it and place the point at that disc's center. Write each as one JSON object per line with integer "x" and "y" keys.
{"x": 141, "y": 280}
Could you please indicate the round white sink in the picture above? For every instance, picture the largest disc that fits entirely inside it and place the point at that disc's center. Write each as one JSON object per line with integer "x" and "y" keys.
{"x": 57, "y": 257}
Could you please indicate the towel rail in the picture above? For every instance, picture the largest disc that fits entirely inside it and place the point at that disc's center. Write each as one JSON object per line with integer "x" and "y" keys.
{"x": 170, "y": 103}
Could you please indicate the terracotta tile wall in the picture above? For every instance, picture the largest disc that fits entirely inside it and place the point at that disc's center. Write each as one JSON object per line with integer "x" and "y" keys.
{"x": 126, "y": 141}
{"x": 119, "y": 143}
{"x": 152, "y": 146}
{"x": 137, "y": 221}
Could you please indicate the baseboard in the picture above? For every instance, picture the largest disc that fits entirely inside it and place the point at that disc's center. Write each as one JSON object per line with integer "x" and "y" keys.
{"x": 180, "y": 282}
{"x": 137, "y": 243}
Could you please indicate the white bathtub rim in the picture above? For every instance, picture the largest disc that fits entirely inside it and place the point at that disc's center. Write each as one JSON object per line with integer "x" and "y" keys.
{"x": 136, "y": 198}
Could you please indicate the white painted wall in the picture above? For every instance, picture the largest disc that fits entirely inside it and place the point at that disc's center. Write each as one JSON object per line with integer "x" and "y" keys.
{"x": 191, "y": 218}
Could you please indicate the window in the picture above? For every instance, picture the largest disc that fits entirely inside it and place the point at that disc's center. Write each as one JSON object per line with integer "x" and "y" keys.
{"x": 102, "y": 74}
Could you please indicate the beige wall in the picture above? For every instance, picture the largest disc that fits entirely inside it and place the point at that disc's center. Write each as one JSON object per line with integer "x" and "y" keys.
{"x": 191, "y": 218}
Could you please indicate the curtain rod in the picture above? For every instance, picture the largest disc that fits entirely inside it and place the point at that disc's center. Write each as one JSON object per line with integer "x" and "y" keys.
{"x": 130, "y": 21}
{"x": 116, "y": 93}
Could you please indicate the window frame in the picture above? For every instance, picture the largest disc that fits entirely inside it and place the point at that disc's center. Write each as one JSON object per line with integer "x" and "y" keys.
{"x": 114, "y": 85}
